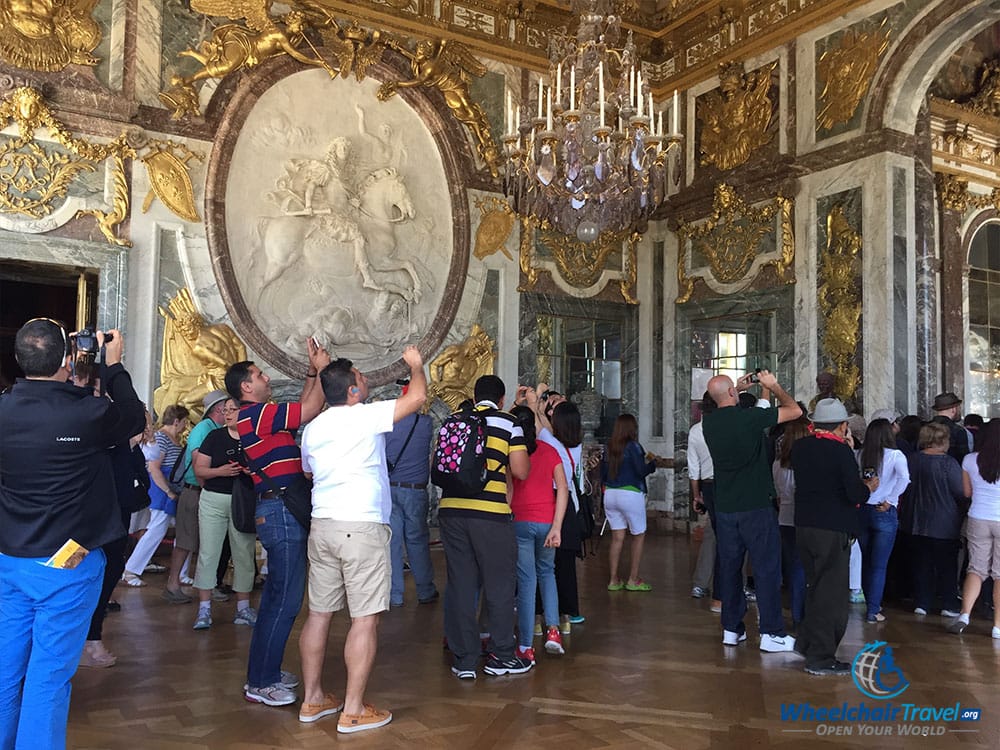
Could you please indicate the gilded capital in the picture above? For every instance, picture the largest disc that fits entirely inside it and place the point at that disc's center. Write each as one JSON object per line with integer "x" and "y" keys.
{"x": 952, "y": 192}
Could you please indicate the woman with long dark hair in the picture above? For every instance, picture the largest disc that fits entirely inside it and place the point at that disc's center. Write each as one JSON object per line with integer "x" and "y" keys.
{"x": 879, "y": 519}
{"x": 623, "y": 472}
{"x": 538, "y": 504}
{"x": 981, "y": 481}
{"x": 792, "y": 571}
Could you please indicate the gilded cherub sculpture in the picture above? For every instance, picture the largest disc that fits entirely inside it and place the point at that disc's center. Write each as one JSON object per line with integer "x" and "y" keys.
{"x": 446, "y": 65}
{"x": 195, "y": 355}
{"x": 233, "y": 46}
{"x": 455, "y": 370}
{"x": 48, "y": 34}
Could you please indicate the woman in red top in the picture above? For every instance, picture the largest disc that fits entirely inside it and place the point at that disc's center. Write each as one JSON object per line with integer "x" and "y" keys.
{"x": 538, "y": 515}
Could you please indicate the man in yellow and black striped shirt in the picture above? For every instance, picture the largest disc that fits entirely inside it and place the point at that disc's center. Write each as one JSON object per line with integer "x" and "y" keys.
{"x": 479, "y": 543}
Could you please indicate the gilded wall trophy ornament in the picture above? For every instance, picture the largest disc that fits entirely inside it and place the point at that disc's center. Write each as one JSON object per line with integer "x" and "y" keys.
{"x": 233, "y": 46}
{"x": 846, "y": 72}
{"x": 446, "y": 65}
{"x": 736, "y": 117}
{"x": 354, "y": 48}
{"x": 494, "y": 228}
{"x": 456, "y": 369}
{"x": 169, "y": 179}
{"x": 839, "y": 296}
{"x": 48, "y": 35}
{"x": 36, "y": 176}
{"x": 731, "y": 240}
{"x": 195, "y": 355}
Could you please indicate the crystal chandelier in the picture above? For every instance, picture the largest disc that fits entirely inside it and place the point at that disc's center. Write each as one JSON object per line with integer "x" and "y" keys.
{"x": 594, "y": 157}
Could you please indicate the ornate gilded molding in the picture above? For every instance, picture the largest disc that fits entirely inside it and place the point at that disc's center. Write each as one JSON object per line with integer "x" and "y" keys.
{"x": 839, "y": 296}
{"x": 730, "y": 241}
{"x": 986, "y": 100}
{"x": 48, "y": 35}
{"x": 579, "y": 266}
{"x": 446, "y": 65}
{"x": 195, "y": 355}
{"x": 952, "y": 192}
{"x": 494, "y": 227}
{"x": 735, "y": 117}
{"x": 233, "y": 46}
{"x": 36, "y": 177}
{"x": 454, "y": 372}
{"x": 846, "y": 72}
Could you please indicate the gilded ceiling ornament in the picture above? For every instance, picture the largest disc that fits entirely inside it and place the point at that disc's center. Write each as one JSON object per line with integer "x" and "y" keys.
{"x": 736, "y": 116}
{"x": 195, "y": 355}
{"x": 35, "y": 176}
{"x": 233, "y": 47}
{"x": 48, "y": 35}
{"x": 495, "y": 227}
{"x": 839, "y": 296}
{"x": 986, "y": 100}
{"x": 731, "y": 238}
{"x": 169, "y": 179}
{"x": 455, "y": 370}
{"x": 446, "y": 65}
{"x": 846, "y": 73}
{"x": 354, "y": 48}
{"x": 952, "y": 192}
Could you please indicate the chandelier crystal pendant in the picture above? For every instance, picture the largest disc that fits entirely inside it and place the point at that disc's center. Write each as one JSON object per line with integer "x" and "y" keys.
{"x": 594, "y": 158}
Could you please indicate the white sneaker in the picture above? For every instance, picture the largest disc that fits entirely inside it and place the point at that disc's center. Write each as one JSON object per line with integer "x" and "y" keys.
{"x": 773, "y": 644}
{"x": 995, "y": 632}
{"x": 949, "y": 613}
{"x": 729, "y": 638}
{"x": 920, "y": 611}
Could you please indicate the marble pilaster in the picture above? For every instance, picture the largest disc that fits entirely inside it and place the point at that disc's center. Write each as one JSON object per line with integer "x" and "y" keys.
{"x": 952, "y": 202}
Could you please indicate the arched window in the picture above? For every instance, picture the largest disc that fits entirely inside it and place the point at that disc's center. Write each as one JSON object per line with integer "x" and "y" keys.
{"x": 984, "y": 321}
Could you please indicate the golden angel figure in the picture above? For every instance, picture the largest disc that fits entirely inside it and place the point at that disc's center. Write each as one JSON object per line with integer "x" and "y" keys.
{"x": 446, "y": 65}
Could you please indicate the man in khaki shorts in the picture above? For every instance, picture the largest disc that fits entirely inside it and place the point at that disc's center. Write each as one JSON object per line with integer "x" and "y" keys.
{"x": 349, "y": 563}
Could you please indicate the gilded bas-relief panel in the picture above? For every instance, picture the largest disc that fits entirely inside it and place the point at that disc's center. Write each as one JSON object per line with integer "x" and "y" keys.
{"x": 839, "y": 256}
{"x": 336, "y": 218}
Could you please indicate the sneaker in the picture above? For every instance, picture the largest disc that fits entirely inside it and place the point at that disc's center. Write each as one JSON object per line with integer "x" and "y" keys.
{"x": 566, "y": 626}
{"x": 430, "y": 599}
{"x": 577, "y": 619}
{"x": 204, "y": 621}
{"x": 729, "y": 638}
{"x": 469, "y": 674}
{"x": 835, "y": 667}
{"x": 310, "y": 712}
{"x": 773, "y": 644}
{"x": 750, "y": 594}
{"x": 920, "y": 611}
{"x": 538, "y": 630}
{"x": 272, "y": 695}
{"x": 288, "y": 680}
{"x": 372, "y": 718}
{"x": 175, "y": 597}
{"x": 553, "y": 641}
{"x": 877, "y": 617}
{"x": 957, "y": 626}
{"x": 513, "y": 665}
{"x": 526, "y": 653}
{"x": 995, "y": 633}
{"x": 857, "y": 596}
{"x": 247, "y": 616}
{"x": 187, "y": 581}
{"x": 949, "y": 613}
{"x": 715, "y": 606}
{"x": 698, "y": 592}
{"x": 219, "y": 596}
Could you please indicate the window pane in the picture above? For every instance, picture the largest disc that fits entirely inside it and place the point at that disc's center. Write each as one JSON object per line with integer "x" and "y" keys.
{"x": 978, "y": 303}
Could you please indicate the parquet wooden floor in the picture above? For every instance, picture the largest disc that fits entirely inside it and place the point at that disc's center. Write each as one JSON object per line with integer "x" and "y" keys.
{"x": 645, "y": 670}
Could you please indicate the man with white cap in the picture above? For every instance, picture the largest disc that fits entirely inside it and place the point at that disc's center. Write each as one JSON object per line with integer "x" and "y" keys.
{"x": 828, "y": 495}
{"x": 186, "y": 533}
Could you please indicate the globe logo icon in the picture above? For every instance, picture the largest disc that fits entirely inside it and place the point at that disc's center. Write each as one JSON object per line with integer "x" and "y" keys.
{"x": 875, "y": 672}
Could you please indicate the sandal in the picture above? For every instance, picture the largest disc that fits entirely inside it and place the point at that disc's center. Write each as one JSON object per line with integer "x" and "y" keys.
{"x": 616, "y": 586}
{"x": 639, "y": 585}
{"x": 131, "y": 579}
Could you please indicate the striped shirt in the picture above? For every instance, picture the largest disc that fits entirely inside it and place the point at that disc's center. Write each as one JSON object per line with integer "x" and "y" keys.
{"x": 267, "y": 434}
{"x": 503, "y": 437}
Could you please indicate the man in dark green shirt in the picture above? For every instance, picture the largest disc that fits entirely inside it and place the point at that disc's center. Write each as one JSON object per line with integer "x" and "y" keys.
{"x": 746, "y": 520}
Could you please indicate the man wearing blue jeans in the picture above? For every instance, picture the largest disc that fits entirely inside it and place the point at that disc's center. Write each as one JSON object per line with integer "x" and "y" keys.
{"x": 745, "y": 516}
{"x": 57, "y": 493}
{"x": 407, "y": 452}
{"x": 267, "y": 434}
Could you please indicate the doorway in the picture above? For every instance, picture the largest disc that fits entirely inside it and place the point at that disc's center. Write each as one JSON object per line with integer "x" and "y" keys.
{"x": 34, "y": 290}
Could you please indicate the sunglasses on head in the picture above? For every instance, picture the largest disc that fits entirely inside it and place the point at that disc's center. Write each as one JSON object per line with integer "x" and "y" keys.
{"x": 62, "y": 332}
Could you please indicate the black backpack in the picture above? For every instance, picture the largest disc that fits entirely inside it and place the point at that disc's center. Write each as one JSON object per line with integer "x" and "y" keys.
{"x": 459, "y": 464}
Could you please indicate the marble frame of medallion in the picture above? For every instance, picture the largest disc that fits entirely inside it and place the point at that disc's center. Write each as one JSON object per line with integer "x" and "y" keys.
{"x": 534, "y": 304}
{"x": 455, "y": 155}
{"x": 111, "y": 264}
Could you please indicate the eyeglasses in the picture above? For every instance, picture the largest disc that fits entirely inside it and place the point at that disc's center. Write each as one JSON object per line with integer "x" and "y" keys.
{"x": 62, "y": 331}
{"x": 230, "y": 409}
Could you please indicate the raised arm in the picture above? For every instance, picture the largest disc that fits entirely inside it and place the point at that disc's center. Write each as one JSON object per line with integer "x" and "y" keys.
{"x": 312, "y": 399}
{"x": 787, "y": 408}
{"x": 416, "y": 394}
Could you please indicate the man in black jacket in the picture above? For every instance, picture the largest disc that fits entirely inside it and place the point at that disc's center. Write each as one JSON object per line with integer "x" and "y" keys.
{"x": 57, "y": 508}
{"x": 828, "y": 493}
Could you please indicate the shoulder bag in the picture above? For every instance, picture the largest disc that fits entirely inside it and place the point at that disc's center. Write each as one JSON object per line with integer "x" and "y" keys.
{"x": 297, "y": 496}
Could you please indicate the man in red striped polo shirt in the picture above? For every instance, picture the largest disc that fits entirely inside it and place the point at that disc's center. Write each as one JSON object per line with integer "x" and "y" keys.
{"x": 267, "y": 434}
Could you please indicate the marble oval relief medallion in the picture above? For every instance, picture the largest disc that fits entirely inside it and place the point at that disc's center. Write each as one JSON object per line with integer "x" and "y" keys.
{"x": 329, "y": 214}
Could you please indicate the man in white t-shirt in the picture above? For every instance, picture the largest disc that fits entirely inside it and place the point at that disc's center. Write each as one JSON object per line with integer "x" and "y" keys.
{"x": 349, "y": 561}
